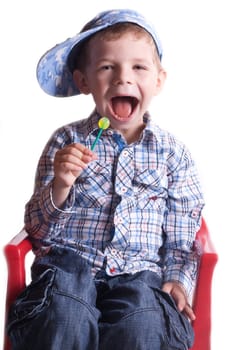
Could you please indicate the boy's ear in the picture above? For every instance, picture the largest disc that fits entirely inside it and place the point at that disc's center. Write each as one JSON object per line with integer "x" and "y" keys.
{"x": 81, "y": 82}
{"x": 160, "y": 80}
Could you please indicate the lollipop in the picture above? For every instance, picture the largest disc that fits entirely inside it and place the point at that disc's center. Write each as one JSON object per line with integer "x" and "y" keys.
{"x": 103, "y": 124}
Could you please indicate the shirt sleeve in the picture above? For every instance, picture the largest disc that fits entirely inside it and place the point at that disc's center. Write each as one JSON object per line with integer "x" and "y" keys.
{"x": 182, "y": 220}
{"x": 41, "y": 215}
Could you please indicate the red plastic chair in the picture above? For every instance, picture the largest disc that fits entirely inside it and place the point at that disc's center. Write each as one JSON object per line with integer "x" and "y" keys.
{"x": 16, "y": 250}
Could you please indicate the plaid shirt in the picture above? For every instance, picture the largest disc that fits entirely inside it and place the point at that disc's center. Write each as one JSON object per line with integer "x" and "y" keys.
{"x": 137, "y": 207}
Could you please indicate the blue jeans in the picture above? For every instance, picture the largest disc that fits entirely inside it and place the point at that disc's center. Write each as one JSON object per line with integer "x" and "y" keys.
{"x": 64, "y": 308}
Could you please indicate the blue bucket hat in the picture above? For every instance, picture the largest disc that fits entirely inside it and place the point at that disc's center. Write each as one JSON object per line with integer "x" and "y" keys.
{"x": 53, "y": 70}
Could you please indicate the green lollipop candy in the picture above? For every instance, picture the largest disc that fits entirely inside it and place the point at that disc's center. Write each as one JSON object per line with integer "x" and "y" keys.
{"x": 103, "y": 124}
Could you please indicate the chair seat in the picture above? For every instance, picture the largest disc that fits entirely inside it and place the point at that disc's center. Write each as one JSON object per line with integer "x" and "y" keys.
{"x": 17, "y": 249}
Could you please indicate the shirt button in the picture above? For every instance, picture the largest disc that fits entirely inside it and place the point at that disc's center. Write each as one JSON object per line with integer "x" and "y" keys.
{"x": 123, "y": 189}
{"x": 125, "y": 153}
{"x": 114, "y": 252}
{"x": 194, "y": 213}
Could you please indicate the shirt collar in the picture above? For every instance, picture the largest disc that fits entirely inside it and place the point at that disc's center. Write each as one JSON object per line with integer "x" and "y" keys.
{"x": 151, "y": 129}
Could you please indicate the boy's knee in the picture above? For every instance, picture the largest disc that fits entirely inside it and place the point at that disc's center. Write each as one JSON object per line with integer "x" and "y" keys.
{"x": 142, "y": 329}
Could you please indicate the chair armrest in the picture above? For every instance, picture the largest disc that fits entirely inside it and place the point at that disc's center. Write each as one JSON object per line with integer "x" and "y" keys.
{"x": 203, "y": 237}
{"x": 202, "y": 296}
{"x": 15, "y": 252}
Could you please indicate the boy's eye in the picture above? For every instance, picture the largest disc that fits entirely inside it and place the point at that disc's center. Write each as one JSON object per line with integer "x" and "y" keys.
{"x": 138, "y": 67}
{"x": 106, "y": 67}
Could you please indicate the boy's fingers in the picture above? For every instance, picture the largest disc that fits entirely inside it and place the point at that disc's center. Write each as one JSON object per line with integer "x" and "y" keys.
{"x": 84, "y": 153}
{"x": 188, "y": 311}
{"x": 75, "y": 152}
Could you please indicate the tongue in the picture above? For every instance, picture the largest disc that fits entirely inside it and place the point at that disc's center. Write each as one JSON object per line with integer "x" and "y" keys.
{"x": 122, "y": 106}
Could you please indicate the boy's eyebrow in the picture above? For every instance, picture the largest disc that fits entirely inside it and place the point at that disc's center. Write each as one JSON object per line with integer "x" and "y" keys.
{"x": 112, "y": 58}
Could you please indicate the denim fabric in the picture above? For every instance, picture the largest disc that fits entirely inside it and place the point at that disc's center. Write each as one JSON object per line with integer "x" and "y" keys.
{"x": 64, "y": 308}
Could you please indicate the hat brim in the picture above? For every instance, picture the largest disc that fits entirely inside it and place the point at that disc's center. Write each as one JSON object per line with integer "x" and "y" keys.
{"x": 53, "y": 73}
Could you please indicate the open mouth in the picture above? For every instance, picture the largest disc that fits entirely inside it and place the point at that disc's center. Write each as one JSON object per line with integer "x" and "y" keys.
{"x": 123, "y": 106}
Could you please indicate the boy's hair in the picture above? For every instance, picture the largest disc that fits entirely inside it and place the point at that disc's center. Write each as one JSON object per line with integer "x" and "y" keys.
{"x": 110, "y": 33}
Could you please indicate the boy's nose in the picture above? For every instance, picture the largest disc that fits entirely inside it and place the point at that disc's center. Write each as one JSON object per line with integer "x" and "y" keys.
{"x": 122, "y": 76}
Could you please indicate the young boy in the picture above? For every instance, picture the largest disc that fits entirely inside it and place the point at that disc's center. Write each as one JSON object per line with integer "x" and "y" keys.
{"x": 112, "y": 228}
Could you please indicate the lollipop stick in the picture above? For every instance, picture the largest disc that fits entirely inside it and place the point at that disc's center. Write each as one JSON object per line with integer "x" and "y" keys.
{"x": 96, "y": 140}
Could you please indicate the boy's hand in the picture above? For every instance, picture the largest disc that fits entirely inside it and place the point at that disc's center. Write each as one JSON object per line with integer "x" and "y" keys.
{"x": 179, "y": 295}
{"x": 69, "y": 162}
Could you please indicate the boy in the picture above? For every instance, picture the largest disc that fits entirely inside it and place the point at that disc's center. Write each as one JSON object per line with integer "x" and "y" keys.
{"x": 113, "y": 229}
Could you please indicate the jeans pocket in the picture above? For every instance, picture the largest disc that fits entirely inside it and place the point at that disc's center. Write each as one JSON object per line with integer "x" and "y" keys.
{"x": 179, "y": 331}
{"x": 33, "y": 300}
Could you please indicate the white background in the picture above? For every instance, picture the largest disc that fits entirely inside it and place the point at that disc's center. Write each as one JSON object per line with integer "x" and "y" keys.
{"x": 195, "y": 105}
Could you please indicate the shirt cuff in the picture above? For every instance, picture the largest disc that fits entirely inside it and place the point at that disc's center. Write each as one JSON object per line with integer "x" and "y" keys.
{"x": 179, "y": 276}
{"x": 50, "y": 211}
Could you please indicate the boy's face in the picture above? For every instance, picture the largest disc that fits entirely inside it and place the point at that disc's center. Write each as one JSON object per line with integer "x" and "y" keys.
{"x": 123, "y": 76}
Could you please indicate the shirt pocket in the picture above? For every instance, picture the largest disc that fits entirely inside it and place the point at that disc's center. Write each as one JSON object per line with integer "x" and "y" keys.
{"x": 33, "y": 300}
{"x": 94, "y": 185}
{"x": 150, "y": 188}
